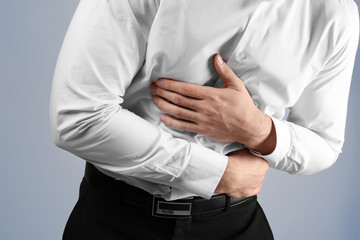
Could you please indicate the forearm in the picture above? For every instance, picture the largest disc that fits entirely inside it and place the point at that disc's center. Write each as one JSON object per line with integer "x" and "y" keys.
{"x": 229, "y": 115}
{"x": 100, "y": 57}
{"x": 299, "y": 150}
{"x": 125, "y": 144}
{"x": 313, "y": 135}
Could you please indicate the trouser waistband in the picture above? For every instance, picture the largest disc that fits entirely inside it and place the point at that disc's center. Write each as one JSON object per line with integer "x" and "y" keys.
{"x": 182, "y": 208}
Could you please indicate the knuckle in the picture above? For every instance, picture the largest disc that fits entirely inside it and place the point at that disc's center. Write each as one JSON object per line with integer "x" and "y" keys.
{"x": 256, "y": 192}
{"x": 195, "y": 117}
{"x": 228, "y": 71}
{"x": 249, "y": 193}
{"x": 203, "y": 119}
{"x": 159, "y": 91}
{"x": 202, "y": 131}
{"x": 178, "y": 113}
{"x": 159, "y": 103}
{"x": 210, "y": 111}
{"x": 216, "y": 99}
{"x": 163, "y": 105}
{"x": 168, "y": 122}
{"x": 187, "y": 127}
{"x": 177, "y": 99}
{"x": 173, "y": 123}
{"x": 208, "y": 131}
{"x": 165, "y": 83}
{"x": 191, "y": 128}
{"x": 186, "y": 90}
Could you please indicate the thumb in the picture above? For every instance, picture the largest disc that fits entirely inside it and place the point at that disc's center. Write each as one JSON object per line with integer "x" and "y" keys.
{"x": 227, "y": 75}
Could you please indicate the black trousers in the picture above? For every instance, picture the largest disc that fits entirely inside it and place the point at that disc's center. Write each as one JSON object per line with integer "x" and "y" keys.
{"x": 100, "y": 215}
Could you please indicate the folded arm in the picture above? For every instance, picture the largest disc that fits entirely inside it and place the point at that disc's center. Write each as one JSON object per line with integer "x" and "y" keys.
{"x": 307, "y": 142}
{"x": 103, "y": 50}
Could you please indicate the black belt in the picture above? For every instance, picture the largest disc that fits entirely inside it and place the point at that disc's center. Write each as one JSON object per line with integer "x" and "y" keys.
{"x": 182, "y": 208}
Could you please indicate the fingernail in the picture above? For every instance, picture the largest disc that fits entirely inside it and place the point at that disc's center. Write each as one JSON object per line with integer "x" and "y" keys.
{"x": 160, "y": 83}
{"x": 219, "y": 59}
{"x": 154, "y": 99}
{"x": 162, "y": 118}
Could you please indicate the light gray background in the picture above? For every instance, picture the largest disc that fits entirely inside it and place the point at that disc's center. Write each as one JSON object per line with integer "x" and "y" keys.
{"x": 39, "y": 182}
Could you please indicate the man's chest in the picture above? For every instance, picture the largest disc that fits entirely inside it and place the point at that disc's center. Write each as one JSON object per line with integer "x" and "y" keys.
{"x": 275, "y": 47}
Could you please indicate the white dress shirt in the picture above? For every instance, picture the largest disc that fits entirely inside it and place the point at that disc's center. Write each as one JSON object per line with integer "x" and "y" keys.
{"x": 291, "y": 54}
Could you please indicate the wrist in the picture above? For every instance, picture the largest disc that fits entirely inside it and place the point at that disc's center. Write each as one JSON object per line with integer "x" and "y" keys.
{"x": 221, "y": 187}
{"x": 264, "y": 139}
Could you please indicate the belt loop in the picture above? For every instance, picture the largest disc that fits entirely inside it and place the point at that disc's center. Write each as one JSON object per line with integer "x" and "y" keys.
{"x": 227, "y": 202}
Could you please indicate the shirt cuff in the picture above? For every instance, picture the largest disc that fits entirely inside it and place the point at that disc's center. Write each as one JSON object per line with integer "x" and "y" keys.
{"x": 283, "y": 142}
{"x": 202, "y": 174}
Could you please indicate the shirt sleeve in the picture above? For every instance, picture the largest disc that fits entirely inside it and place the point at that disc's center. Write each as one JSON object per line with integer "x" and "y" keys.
{"x": 312, "y": 137}
{"x": 103, "y": 50}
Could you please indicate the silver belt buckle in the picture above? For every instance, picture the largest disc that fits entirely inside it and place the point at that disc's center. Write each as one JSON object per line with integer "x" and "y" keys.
{"x": 171, "y": 209}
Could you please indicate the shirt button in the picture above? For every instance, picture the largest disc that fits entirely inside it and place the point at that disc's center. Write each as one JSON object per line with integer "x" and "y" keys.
{"x": 241, "y": 56}
{"x": 202, "y": 140}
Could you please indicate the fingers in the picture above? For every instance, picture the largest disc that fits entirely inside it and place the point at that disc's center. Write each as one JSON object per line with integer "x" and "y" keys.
{"x": 245, "y": 193}
{"x": 244, "y": 175}
{"x": 179, "y": 123}
{"x": 176, "y": 98}
{"x": 227, "y": 75}
{"x": 179, "y": 112}
{"x": 185, "y": 89}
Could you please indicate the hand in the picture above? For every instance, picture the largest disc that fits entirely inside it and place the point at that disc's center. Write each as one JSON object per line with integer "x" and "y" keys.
{"x": 225, "y": 115}
{"x": 243, "y": 176}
